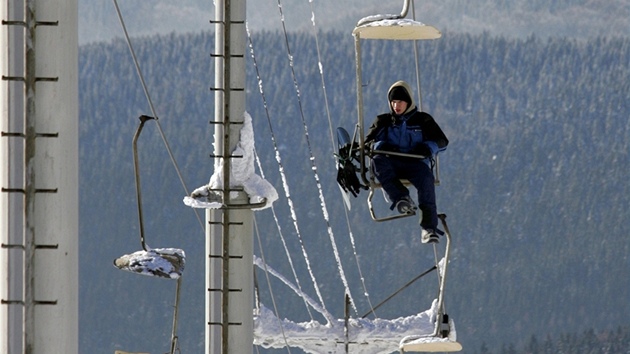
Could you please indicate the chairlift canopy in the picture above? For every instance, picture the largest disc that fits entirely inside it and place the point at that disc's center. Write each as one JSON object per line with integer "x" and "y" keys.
{"x": 395, "y": 29}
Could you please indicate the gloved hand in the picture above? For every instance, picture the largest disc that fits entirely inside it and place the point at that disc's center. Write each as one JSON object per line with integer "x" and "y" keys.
{"x": 422, "y": 149}
{"x": 347, "y": 178}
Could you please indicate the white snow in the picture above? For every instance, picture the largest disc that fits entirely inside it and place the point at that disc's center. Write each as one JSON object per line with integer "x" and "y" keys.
{"x": 387, "y": 21}
{"x": 158, "y": 262}
{"x": 393, "y": 28}
{"x": 368, "y": 336}
{"x": 242, "y": 174}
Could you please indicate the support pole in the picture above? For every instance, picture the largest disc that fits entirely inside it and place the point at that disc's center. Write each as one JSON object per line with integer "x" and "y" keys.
{"x": 39, "y": 177}
{"x": 442, "y": 277}
{"x": 229, "y": 232}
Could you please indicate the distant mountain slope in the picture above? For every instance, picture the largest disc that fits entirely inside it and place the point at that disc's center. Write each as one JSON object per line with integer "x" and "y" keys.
{"x": 558, "y": 18}
{"x": 535, "y": 183}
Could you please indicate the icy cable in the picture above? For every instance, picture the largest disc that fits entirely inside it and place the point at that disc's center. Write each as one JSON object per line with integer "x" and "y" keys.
{"x": 321, "y": 74}
{"x": 284, "y": 243}
{"x": 146, "y": 93}
{"x": 273, "y": 298}
{"x": 415, "y": 55}
{"x": 260, "y": 264}
{"x": 285, "y": 185}
{"x": 332, "y": 142}
{"x": 312, "y": 159}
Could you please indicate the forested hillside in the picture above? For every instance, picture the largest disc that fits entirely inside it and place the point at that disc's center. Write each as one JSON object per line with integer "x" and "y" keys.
{"x": 515, "y": 19}
{"x": 535, "y": 183}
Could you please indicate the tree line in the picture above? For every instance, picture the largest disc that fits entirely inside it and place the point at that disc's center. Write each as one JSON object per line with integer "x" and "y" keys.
{"x": 534, "y": 181}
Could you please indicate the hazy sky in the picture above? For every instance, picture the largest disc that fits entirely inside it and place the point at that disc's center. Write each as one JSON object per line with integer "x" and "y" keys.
{"x": 518, "y": 18}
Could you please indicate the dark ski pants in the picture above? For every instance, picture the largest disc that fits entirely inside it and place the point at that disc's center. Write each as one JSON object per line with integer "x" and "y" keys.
{"x": 390, "y": 170}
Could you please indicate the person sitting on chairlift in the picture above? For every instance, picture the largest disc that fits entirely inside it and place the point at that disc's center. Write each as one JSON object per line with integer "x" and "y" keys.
{"x": 406, "y": 130}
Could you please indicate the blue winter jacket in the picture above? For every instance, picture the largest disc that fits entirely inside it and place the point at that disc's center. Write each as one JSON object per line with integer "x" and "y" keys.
{"x": 405, "y": 133}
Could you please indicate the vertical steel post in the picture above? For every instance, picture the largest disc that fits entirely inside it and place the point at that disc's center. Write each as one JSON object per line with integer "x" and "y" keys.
{"x": 230, "y": 230}
{"x": 39, "y": 169}
{"x": 29, "y": 178}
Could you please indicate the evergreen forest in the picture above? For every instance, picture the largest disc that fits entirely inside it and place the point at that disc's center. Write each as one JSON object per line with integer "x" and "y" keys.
{"x": 535, "y": 183}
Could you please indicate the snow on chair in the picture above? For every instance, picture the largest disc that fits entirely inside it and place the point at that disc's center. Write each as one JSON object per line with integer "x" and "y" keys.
{"x": 383, "y": 27}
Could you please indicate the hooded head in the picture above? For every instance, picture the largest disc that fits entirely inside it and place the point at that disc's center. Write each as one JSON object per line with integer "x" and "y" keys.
{"x": 401, "y": 91}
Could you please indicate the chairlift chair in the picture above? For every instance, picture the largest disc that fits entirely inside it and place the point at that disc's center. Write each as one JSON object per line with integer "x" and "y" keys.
{"x": 383, "y": 27}
{"x": 353, "y": 150}
{"x": 165, "y": 263}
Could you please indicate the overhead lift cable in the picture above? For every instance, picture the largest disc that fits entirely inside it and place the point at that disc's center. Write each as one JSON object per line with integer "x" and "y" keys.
{"x": 286, "y": 190}
{"x": 273, "y": 299}
{"x": 312, "y": 159}
{"x": 437, "y": 160}
{"x": 174, "y": 347}
{"x": 150, "y": 102}
{"x": 334, "y": 148}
